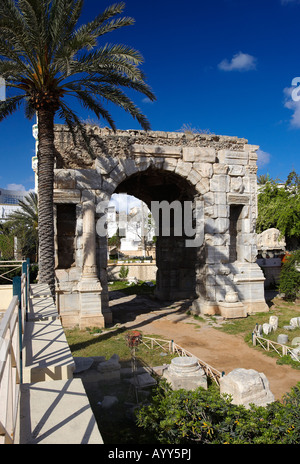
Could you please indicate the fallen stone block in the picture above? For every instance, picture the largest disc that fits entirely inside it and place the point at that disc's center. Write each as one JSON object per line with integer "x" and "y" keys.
{"x": 273, "y": 321}
{"x": 109, "y": 401}
{"x": 295, "y": 322}
{"x": 247, "y": 386}
{"x": 267, "y": 328}
{"x": 283, "y": 339}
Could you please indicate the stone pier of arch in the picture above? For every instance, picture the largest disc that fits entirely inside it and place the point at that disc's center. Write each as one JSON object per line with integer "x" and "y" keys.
{"x": 220, "y": 275}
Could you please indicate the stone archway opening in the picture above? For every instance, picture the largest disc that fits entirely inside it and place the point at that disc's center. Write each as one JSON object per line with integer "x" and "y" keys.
{"x": 168, "y": 195}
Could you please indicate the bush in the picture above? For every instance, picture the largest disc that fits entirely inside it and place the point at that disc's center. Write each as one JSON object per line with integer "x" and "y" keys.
{"x": 289, "y": 282}
{"x": 123, "y": 272}
{"x": 205, "y": 416}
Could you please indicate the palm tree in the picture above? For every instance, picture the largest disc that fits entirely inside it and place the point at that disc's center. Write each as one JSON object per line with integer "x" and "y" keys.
{"x": 24, "y": 225}
{"x": 46, "y": 57}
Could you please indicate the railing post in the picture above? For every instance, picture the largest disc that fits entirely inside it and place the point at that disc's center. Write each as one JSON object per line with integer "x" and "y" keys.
{"x": 25, "y": 267}
{"x": 17, "y": 292}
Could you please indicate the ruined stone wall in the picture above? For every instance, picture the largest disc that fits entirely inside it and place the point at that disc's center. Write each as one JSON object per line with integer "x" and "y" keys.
{"x": 219, "y": 171}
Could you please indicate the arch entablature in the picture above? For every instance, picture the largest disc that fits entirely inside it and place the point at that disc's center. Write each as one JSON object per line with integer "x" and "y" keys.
{"x": 219, "y": 171}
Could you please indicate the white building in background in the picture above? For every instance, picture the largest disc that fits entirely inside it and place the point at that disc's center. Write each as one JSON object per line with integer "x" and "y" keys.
{"x": 9, "y": 202}
{"x": 136, "y": 228}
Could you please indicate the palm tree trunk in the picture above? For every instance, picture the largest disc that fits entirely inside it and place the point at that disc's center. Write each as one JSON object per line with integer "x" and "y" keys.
{"x": 45, "y": 197}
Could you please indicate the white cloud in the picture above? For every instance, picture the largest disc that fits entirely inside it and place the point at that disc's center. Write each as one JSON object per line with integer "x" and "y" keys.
{"x": 263, "y": 158}
{"x": 19, "y": 187}
{"x": 239, "y": 62}
{"x": 287, "y": 2}
{"x": 147, "y": 100}
{"x": 292, "y": 105}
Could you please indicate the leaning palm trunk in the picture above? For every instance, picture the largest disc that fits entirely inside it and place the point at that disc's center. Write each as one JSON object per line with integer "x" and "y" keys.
{"x": 45, "y": 196}
{"x": 48, "y": 57}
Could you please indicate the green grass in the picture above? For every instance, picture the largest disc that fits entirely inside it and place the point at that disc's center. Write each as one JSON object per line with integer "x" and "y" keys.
{"x": 141, "y": 288}
{"x": 89, "y": 343}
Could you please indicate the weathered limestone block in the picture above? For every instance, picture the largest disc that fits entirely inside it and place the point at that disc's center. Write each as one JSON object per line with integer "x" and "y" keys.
{"x": 237, "y": 199}
{"x": 194, "y": 177}
{"x": 203, "y": 186}
{"x": 267, "y": 328}
{"x": 295, "y": 322}
{"x": 154, "y": 150}
{"x": 273, "y": 321}
{"x": 270, "y": 240}
{"x": 247, "y": 386}
{"x": 216, "y": 226}
{"x": 236, "y": 185}
{"x": 198, "y": 154}
{"x": 219, "y": 183}
{"x": 129, "y": 166}
{"x": 104, "y": 165}
{"x": 64, "y": 178}
{"x": 170, "y": 164}
{"x": 66, "y": 196}
{"x": 282, "y": 339}
{"x": 117, "y": 174}
{"x": 220, "y": 198}
{"x": 220, "y": 168}
{"x": 185, "y": 373}
{"x": 233, "y": 157}
{"x": 87, "y": 179}
{"x": 183, "y": 169}
{"x": 109, "y": 185}
{"x": 204, "y": 169}
{"x": 232, "y": 310}
{"x": 236, "y": 170}
{"x": 209, "y": 199}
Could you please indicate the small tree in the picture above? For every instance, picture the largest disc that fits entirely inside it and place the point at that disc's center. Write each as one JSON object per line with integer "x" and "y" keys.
{"x": 23, "y": 223}
{"x": 123, "y": 272}
{"x": 289, "y": 281}
{"x": 279, "y": 207}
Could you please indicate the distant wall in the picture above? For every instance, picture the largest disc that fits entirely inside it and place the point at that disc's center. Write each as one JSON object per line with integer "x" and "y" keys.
{"x": 142, "y": 271}
{"x": 6, "y": 294}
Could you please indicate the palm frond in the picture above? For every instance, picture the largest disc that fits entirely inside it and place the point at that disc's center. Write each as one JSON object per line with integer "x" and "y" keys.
{"x": 10, "y": 105}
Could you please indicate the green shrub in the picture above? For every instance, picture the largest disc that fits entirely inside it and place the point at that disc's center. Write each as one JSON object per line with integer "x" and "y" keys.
{"x": 123, "y": 272}
{"x": 205, "y": 416}
{"x": 289, "y": 282}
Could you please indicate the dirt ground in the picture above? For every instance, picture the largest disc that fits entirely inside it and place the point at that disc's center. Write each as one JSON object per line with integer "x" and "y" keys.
{"x": 222, "y": 351}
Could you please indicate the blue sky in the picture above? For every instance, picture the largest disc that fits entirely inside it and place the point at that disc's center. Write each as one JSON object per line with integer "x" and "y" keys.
{"x": 225, "y": 66}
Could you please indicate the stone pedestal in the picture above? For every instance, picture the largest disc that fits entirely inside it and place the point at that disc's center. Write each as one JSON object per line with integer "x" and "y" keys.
{"x": 232, "y": 310}
{"x": 249, "y": 282}
{"x": 185, "y": 372}
{"x": 90, "y": 304}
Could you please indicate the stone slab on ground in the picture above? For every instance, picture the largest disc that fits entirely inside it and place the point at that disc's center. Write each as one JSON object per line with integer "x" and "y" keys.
{"x": 247, "y": 386}
{"x": 57, "y": 413}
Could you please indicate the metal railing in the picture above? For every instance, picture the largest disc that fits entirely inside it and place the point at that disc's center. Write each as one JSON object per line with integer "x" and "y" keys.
{"x": 172, "y": 347}
{"x": 12, "y": 328}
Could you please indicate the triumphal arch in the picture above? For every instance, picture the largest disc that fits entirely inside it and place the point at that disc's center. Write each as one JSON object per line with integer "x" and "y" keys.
{"x": 208, "y": 253}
